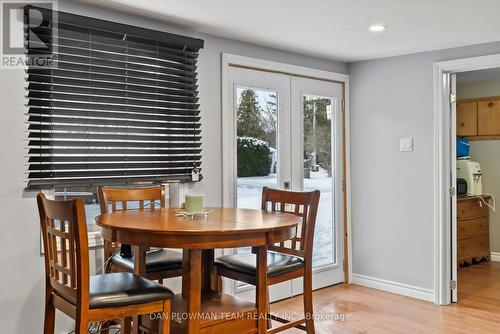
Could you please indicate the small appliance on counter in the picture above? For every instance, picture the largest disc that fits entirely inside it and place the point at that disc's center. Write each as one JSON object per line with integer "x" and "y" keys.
{"x": 470, "y": 171}
{"x": 461, "y": 187}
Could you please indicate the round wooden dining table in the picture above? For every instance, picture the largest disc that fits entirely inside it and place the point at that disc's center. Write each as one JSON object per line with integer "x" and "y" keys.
{"x": 198, "y": 236}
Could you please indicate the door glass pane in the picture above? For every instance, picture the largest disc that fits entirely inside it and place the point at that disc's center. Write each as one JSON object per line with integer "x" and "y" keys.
{"x": 318, "y": 172}
{"x": 257, "y": 157}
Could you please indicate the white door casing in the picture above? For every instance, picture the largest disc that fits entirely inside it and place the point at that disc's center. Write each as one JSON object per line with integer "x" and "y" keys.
{"x": 444, "y": 147}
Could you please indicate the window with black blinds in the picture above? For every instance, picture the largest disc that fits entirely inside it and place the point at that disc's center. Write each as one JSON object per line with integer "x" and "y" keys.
{"x": 119, "y": 104}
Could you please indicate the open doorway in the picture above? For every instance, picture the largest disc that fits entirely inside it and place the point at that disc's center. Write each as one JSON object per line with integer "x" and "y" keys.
{"x": 445, "y": 170}
{"x": 476, "y": 173}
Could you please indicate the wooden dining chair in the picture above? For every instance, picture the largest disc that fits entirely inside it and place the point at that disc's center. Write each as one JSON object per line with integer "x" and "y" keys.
{"x": 286, "y": 260}
{"x": 159, "y": 264}
{"x": 69, "y": 286}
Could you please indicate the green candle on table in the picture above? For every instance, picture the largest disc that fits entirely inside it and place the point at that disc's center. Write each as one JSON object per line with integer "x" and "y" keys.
{"x": 194, "y": 203}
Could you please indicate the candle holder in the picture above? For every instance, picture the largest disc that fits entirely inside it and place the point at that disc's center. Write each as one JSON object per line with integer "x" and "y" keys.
{"x": 194, "y": 203}
{"x": 194, "y": 206}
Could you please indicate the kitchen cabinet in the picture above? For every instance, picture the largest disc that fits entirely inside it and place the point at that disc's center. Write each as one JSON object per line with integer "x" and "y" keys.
{"x": 473, "y": 241}
{"x": 479, "y": 119}
{"x": 467, "y": 119}
{"x": 488, "y": 118}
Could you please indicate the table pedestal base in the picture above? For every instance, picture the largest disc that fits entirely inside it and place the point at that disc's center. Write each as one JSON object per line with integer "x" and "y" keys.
{"x": 220, "y": 313}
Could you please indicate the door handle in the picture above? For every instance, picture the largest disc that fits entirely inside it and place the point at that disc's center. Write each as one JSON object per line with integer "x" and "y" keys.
{"x": 286, "y": 185}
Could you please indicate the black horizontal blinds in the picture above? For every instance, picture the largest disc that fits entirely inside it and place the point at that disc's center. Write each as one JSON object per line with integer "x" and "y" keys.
{"x": 119, "y": 104}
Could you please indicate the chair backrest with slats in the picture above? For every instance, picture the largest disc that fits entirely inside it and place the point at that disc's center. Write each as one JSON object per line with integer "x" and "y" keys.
{"x": 115, "y": 199}
{"x": 65, "y": 243}
{"x": 302, "y": 204}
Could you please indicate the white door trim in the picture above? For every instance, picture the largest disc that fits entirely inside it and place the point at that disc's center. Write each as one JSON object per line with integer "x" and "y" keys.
{"x": 228, "y": 124}
{"x": 442, "y": 170}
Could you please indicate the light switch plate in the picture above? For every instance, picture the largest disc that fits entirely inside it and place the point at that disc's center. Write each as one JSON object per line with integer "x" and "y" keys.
{"x": 406, "y": 144}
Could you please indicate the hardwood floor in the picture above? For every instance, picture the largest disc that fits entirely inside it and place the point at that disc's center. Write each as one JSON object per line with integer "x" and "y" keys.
{"x": 372, "y": 311}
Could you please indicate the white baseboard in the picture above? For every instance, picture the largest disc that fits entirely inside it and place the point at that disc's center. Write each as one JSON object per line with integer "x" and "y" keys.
{"x": 495, "y": 257}
{"x": 394, "y": 287}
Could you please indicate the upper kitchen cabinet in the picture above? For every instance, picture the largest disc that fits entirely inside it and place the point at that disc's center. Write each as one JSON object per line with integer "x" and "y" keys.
{"x": 467, "y": 119}
{"x": 479, "y": 118}
{"x": 488, "y": 117}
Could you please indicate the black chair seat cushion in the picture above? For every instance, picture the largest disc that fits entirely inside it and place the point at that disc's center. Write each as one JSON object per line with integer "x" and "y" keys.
{"x": 277, "y": 264}
{"x": 156, "y": 261}
{"x": 122, "y": 289}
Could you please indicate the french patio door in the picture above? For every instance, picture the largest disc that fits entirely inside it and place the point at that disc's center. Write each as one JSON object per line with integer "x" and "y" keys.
{"x": 317, "y": 163}
{"x": 296, "y": 122}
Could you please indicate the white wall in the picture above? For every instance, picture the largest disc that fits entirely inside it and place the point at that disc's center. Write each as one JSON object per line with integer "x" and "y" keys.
{"x": 21, "y": 278}
{"x": 470, "y": 90}
{"x": 393, "y": 192}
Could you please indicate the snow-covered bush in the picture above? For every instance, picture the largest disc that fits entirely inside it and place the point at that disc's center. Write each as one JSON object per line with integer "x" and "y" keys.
{"x": 254, "y": 157}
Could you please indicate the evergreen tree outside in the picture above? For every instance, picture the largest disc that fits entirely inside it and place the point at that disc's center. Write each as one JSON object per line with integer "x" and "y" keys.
{"x": 256, "y": 123}
{"x": 249, "y": 119}
{"x": 257, "y": 120}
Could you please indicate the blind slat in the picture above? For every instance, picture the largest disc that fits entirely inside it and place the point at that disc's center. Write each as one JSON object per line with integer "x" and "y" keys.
{"x": 84, "y": 89}
{"x": 123, "y": 78}
{"x": 36, "y": 102}
{"x": 94, "y": 83}
{"x": 90, "y": 53}
{"x": 120, "y": 101}
{"x": 173, "y": 150}
{"x": 97, "y": 174}
{"x": 107, "y": 123}
{"x": 131, "y": 159}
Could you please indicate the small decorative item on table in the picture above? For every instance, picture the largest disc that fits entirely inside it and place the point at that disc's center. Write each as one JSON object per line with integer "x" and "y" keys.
{"x": 194, "y": 206}
{"x": 194, "y": 203}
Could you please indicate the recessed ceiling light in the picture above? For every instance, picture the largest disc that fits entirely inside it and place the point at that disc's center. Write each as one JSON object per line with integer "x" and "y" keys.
{"x": 377, "y": 27}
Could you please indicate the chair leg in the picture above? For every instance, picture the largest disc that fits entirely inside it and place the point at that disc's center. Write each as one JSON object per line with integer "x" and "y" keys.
{"x": 107, "y": 249}
{"x": 81, "y": 325}
{"x": 216, "y": 280}
{"x": 308, "y": 303}
{"x": 108, "y": 268}
{"x": 135, "y": 324}
{"x": 165, "y": 326}
{"x": 126, "y": 325}
{"x": 269, "y": 321}
{"x": 50, "y": 317}
{"x": 219, "y": 283}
